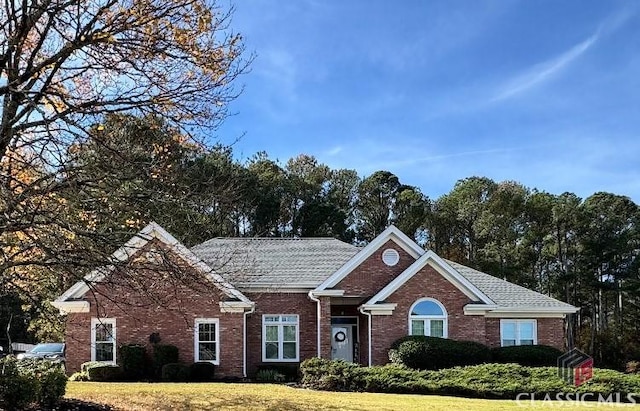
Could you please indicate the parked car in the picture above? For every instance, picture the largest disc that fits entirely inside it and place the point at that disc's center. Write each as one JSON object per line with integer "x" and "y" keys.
{"x": 47, "y": 351}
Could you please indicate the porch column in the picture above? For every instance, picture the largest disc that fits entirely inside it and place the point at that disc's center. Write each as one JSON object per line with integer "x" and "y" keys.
{"x": 325, "y": 327}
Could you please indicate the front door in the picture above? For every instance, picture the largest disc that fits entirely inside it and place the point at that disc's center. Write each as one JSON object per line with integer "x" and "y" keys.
{"x": 342, "y": 342}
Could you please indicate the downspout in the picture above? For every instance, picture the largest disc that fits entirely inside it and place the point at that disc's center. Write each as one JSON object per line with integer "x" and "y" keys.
{"x": 370, "y": 343}
{"x": 319, "y": 316}
{"x": 244, "y": 340}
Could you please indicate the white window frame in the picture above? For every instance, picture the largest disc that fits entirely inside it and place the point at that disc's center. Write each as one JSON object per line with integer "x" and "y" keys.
{"x": 196, "y": 339}
{"x": 99, "y": 321}
{"x": 517, "y": 323}
{"x": 280, "y": 324}
{"x": 426, "y": 319}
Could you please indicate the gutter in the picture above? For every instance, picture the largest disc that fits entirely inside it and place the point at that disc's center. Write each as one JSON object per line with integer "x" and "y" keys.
{"x": 370, "y": 344}
{"x": 319, "y": 340}
{"x": 244, "y": 340}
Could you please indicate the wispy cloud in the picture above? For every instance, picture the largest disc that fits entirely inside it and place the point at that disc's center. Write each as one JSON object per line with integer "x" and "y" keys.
{"x": 279, "y": 67}
{"x": 334, "y": 151}
{"x": 543, "y": 71}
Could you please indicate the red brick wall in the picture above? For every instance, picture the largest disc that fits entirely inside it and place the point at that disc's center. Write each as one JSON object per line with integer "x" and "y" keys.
{"x": 372, "y": 275}
{"x": 283, "y": 303}
{"x": 425, "y": 283}
{"x": 550, "y": 332}
{"x": 172, "y": 316}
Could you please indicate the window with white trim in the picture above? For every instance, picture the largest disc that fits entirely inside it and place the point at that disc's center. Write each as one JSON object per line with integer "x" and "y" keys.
{"x": 518, "y": 332}
{"x": 103, "y": 339}
{"x": 428, "y": 317}
{"x": 280, "y": 338}
{"x": 206, "y": 340}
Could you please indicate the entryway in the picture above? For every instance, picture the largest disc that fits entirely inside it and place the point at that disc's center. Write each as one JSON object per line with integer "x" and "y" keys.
{"x": 344, "y": 338}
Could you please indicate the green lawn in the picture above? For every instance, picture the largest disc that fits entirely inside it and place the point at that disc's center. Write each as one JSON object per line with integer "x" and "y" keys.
{"x": 214, "y": 396}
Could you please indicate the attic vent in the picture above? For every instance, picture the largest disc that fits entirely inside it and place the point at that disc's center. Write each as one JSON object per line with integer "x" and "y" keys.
{"x": 390, "y": 257}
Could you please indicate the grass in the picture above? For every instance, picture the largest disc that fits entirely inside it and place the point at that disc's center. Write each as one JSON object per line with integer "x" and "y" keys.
{"x": 220, "y": 396}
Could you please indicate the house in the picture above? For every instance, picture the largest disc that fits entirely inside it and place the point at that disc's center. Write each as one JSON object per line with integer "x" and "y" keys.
{"x": 282, "y": 300}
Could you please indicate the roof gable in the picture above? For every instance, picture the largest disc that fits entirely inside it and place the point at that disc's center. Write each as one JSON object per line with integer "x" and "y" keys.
{"x": 442, "y": 267}
{"x": 392, "y": 233}
{"x": 151, "y": 232}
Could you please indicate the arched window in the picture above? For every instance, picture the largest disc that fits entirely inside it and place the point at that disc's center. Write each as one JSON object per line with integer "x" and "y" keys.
{"x": 428, "y": 317}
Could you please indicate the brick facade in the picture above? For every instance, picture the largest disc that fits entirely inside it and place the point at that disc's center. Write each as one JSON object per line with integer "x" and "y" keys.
{"x": 152, "y": 302}
{"x": 173, "y": 317}
{"x": 425, "y": 283}
{"x": 281, "y": 303}
{"x": 550, "y": 332}
{"x": 372, "y": 274}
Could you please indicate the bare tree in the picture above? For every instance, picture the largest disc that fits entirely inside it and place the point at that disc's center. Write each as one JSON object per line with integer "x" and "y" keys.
{"x": 64, "y": 66}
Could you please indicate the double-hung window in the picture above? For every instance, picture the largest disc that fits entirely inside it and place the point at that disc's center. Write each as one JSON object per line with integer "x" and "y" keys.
{"x": 280, "y": 338}
{"x": 518, "y": 332}
{"x": 103, "y": 339}
{"x": 206, "y": 340}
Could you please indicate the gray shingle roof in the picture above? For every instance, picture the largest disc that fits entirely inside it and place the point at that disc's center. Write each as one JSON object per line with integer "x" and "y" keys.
{"x": 275, "y": 262}
{"x": 306, "y": 262}
{"x": 504, "y": 293}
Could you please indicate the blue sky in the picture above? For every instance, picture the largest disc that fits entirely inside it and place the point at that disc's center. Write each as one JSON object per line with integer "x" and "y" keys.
{"x": 546, "y": 93}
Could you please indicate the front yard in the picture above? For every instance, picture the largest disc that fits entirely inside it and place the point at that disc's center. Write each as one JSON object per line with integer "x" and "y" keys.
{"x": 214, "y": 396}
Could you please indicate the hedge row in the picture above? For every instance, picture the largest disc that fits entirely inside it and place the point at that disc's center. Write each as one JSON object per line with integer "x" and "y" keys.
{"x": 481, "y": 381}
{"x": 172, "y": 372}
{"x": 27, "y": 382}
{"x": 432, "y": 353}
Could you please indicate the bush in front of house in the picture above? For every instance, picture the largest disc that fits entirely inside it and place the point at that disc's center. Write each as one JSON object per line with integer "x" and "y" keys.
{"x": 30, "y": 381}
{"x": 17, "y": 389}
{"x": 164, "y": 354}
{"x": 50, "y": 377}
{"x": 479, "y": 381}
{"x": 133, "y": 360}
{"x": 289, "y": 372}
{"x": 330, "y": 375}
{"x": 269, "y": 375}
{"x": 433, "y": 353}
{"x": 104, "y": 372}
{"x": 79, "y": 376}
{"x": 175, "y": 372}
{"x": 201, "y": 372}
{"x": 86, "y": 365}
{"x": 527, "y": 355}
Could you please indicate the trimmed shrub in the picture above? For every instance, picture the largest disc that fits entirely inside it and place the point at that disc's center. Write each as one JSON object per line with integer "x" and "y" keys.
{"x": 89, "y": 364}
{"x": 433, "y": 353}
{"x": 269, "y": 375}
{"x": 175, "y": 372}
{"x": 527, "y": 355}
{"x": 104, "y": 372}
{"x": 327, "y": 375}
{"x": 164, "y": 354}
{"x": 202, "y": 371}
{"x": 79, "y": 376}
{"x": 133, "y": 361}
{"x": 480, "y": 381}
